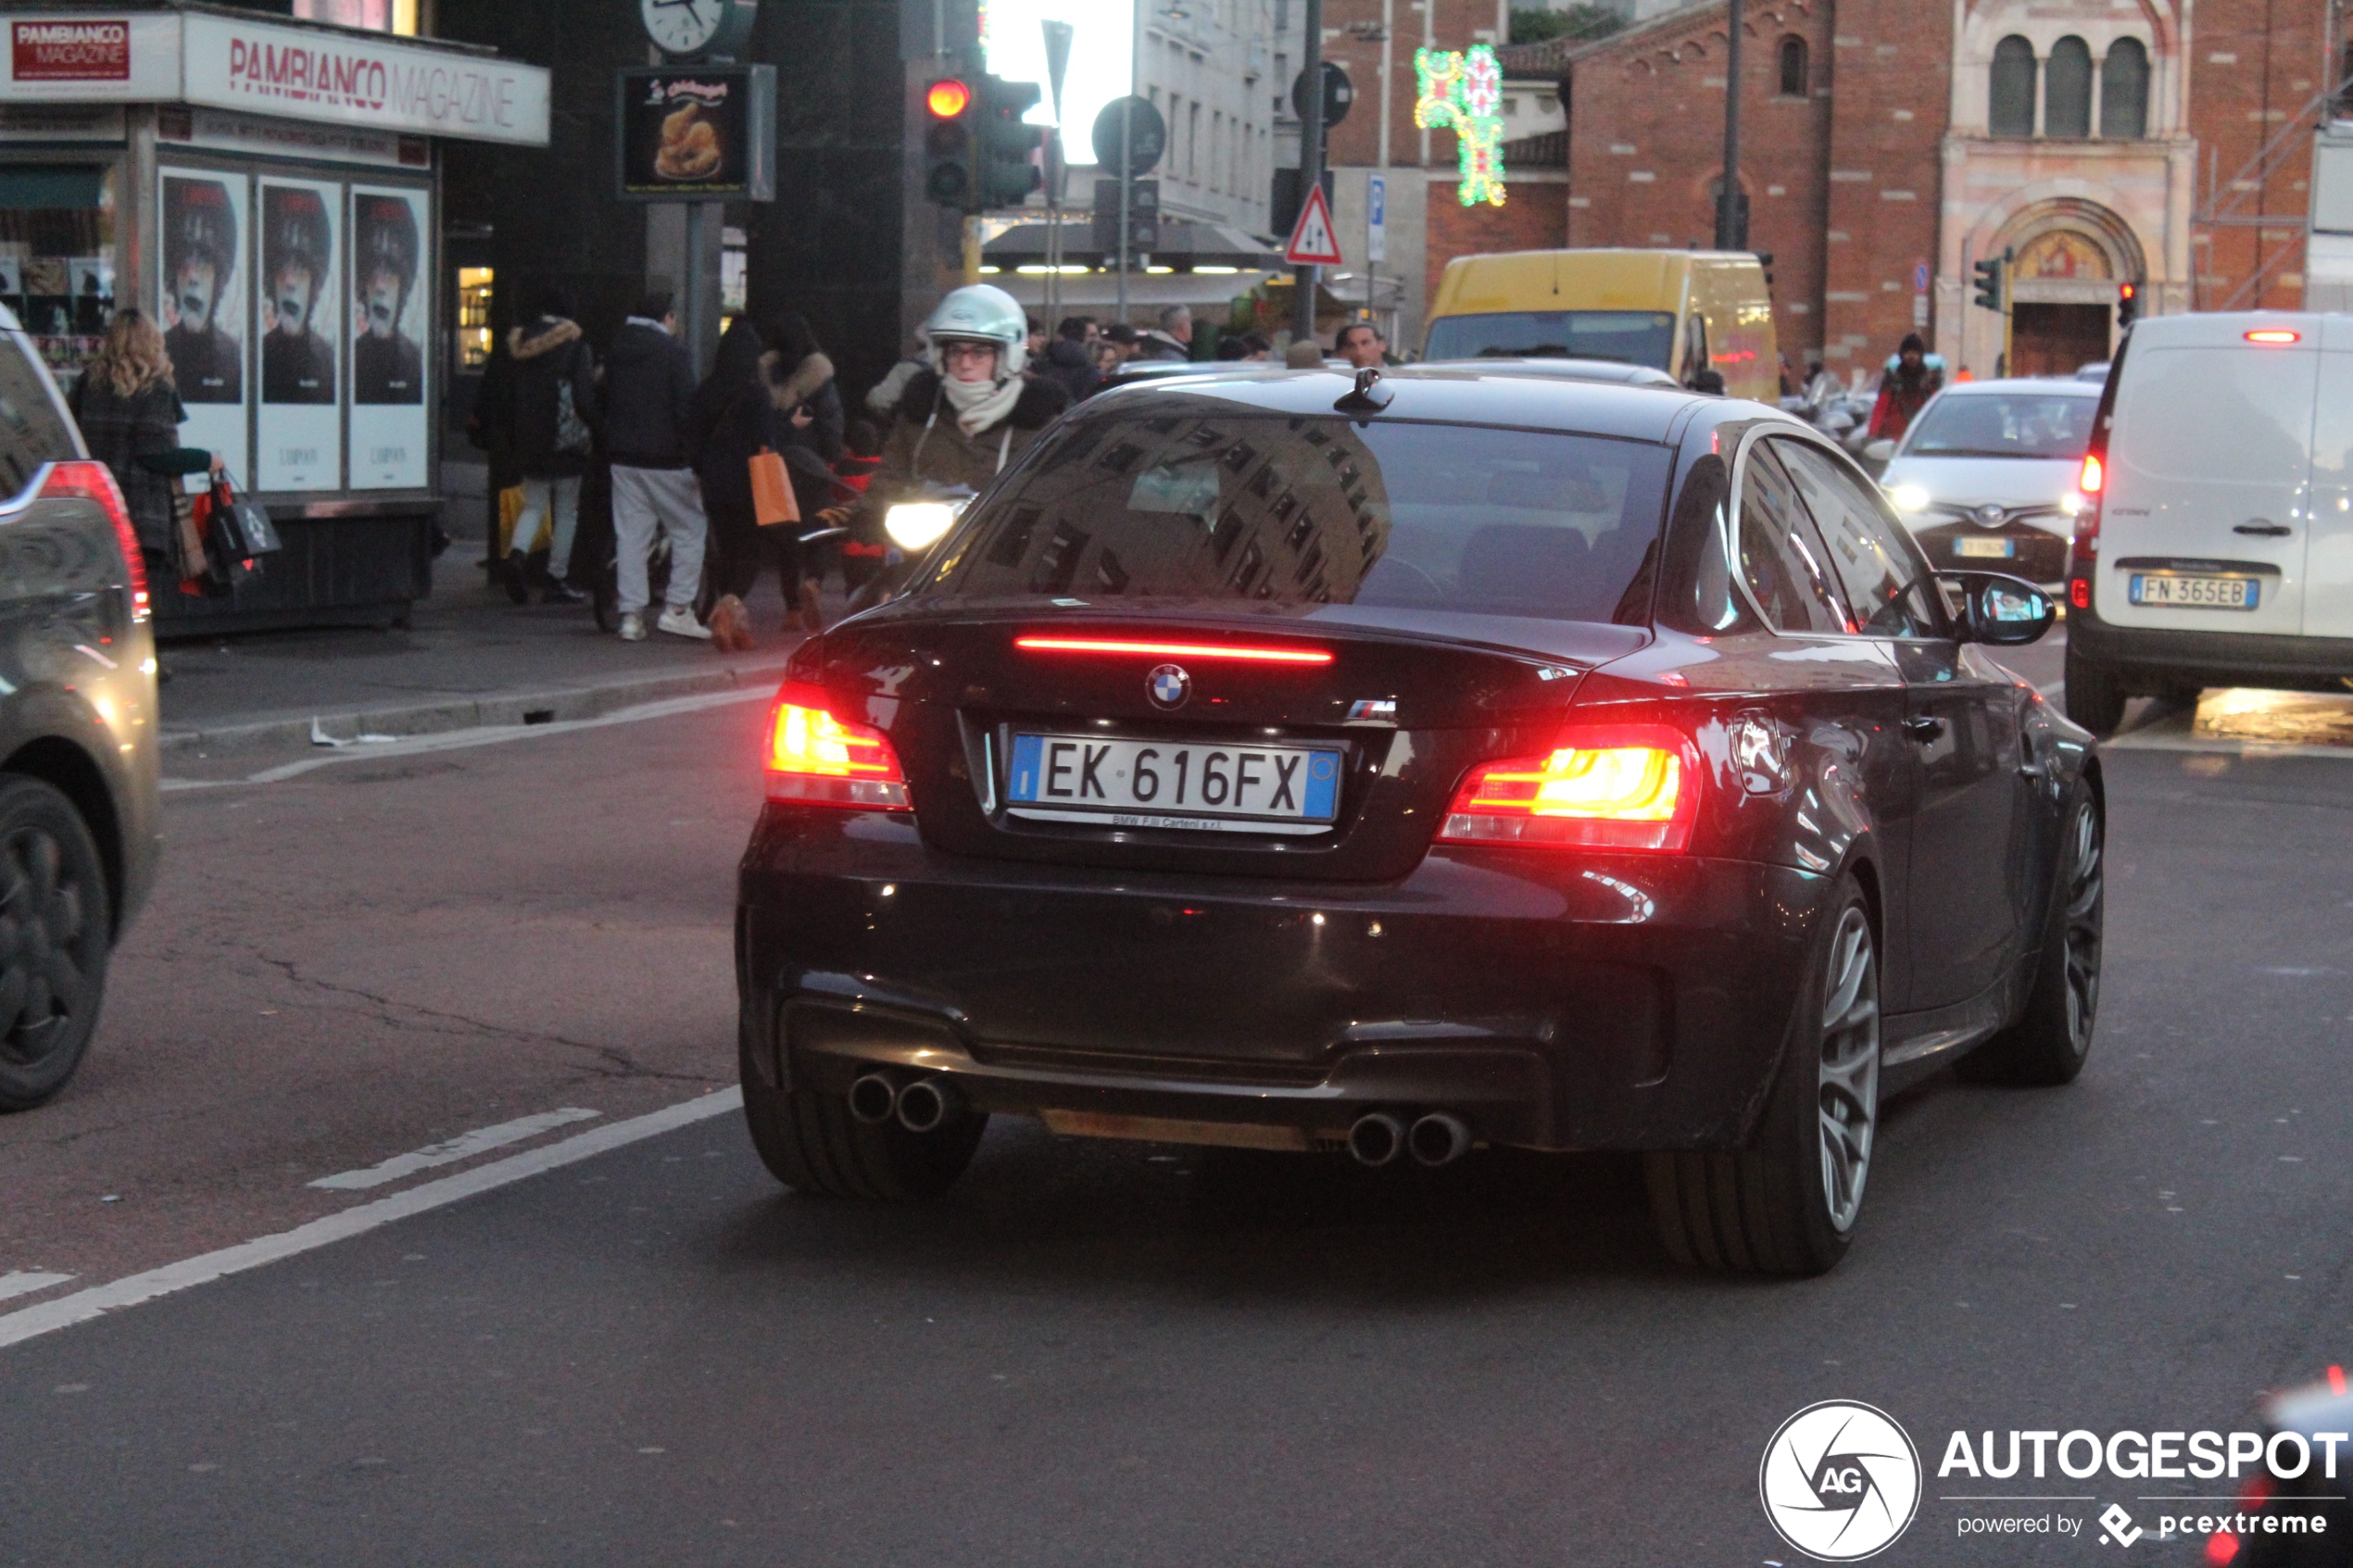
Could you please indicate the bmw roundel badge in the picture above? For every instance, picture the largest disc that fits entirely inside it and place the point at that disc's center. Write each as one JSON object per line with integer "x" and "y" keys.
{"x": 1168, "y": 687}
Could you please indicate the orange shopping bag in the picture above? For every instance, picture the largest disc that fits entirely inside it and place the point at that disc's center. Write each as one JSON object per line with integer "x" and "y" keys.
{"x": 772, "y": 497}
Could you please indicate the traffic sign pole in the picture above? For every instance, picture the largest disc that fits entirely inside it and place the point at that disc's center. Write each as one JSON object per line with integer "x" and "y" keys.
{"x": 1311, "y": 171}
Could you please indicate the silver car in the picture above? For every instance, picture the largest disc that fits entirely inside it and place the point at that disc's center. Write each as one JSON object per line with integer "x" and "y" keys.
{"x": 1985, "y": 476}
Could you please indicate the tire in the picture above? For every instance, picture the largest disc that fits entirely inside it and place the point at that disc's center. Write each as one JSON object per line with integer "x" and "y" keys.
{"x": 2095, "y": 696}
{"x": 2048, "y": 1044}
{"x": 810, "y": 1142}
{"x": 55, "y": 921}
{"x": 1789, "y": 1203}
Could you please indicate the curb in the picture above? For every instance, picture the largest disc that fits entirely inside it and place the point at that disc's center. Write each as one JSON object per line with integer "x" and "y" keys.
{"x": 549, "y": 706}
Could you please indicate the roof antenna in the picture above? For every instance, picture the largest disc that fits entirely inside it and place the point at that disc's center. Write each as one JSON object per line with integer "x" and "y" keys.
{"x": 1368, "y": 396}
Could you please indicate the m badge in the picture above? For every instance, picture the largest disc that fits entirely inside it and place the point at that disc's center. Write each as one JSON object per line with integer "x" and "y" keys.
{"x": 1168, "y": 687}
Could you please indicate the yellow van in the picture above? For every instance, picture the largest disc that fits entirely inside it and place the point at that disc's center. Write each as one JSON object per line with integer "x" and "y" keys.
{"x": 1678, "y": 310}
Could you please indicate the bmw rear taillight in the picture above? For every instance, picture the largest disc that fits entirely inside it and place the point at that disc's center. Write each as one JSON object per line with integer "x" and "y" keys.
{"x": 84, "y": 481}
{"x": 816, "y": 758}
{"x": 1632, "y": 787}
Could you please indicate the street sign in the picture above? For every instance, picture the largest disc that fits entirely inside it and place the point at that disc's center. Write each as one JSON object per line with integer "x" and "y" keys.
{"x": 1338, "y": 93}
{"x": 1147, "y": 137}
{"x": 1920, "y": 276}
{"x": 1312, "y": 243}
{"x": 1375, "y": 218}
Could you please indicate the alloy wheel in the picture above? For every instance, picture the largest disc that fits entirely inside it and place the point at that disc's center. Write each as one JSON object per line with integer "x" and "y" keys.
{"x": 41, "y": 932}
{"x": 2086, "y": 888}
{"x": 1849, "y": 1077}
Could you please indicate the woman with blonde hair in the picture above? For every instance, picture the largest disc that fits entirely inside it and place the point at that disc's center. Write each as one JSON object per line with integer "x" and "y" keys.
{"x": 130, "y": 415}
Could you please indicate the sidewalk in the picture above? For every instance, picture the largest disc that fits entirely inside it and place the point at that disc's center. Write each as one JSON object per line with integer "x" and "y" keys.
{"x": 468, "y": 657}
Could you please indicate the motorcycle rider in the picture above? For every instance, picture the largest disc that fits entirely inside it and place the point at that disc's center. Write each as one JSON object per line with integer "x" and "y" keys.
{"x": 970, "y": 411}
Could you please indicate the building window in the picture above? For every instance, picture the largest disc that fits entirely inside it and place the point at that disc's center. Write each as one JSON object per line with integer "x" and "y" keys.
{"x": 474, "y": 285}
{"x": 2124, "y": 90}
{"x": 380, "y": 16}
{"x": 2067, "y": 91}
{"x": 1792, "y": 67}
{"x": 1193, "y": 143}
{"x": 2010, "y": 106}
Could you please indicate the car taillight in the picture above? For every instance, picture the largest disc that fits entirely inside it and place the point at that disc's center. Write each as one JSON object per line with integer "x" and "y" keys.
{"x": 84, "y": 480}
{"x": 2083, "y": 554}
{"x": 819, "y": 759}
{"x": 2095, "y": 475}
{"x": 1633, "y": 786}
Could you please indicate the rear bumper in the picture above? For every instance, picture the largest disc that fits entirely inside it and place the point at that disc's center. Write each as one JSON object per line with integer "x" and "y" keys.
{"x": 1553, "y": 1000}
{"x": 2208, "y": 658}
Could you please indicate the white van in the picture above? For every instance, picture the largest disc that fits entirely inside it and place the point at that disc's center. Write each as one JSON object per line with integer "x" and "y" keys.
{"x": 2218, "y": 549}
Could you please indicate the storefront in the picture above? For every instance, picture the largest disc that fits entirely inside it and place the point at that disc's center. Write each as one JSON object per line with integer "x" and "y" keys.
{"x": 270, "y": 192}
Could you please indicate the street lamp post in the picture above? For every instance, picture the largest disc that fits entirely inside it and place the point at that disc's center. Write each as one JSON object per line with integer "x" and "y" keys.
{"x": 1728, "y": 198}
{"x": 1311, "y": 156}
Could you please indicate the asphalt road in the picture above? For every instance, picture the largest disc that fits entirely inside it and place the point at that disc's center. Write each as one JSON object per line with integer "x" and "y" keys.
{"x": 1089, "y": 1353}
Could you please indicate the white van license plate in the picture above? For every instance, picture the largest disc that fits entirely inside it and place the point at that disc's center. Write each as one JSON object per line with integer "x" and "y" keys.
{"x": 2002, "y": 548}
{"x": 2196, "y": 593}
{"x": 1159, "y": 784}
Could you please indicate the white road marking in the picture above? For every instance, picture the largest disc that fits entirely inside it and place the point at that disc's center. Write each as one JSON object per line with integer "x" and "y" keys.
{"x": 463, "y": 1147}
{"x": 24, "y": 1282}
{"x": 83, "y": 1305}
{"x": 486, "y": 735}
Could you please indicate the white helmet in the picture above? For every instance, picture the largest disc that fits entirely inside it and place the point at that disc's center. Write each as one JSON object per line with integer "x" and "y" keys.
{"x": 984, "y": 313}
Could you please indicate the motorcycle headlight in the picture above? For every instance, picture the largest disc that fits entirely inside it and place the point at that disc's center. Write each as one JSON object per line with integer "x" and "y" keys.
{"x": 1909, "y": 498}
{"x": 918, "y": 525}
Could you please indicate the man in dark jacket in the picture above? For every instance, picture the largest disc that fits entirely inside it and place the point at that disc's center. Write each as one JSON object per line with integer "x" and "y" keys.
{"x": 1069, "y": 360}
{"x": 551, "y": 399}
{"x": 649, "y": 420}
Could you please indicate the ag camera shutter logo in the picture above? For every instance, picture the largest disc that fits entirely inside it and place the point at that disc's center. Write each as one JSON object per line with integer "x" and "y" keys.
{"x": 1841, "y": 1481}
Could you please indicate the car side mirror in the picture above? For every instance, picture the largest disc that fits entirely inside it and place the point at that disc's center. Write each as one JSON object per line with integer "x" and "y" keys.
{"x": 1880, "y": 451}
{"x": 2002, "y": 610}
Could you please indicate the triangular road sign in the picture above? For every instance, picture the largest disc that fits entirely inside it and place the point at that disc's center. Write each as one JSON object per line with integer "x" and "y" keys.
{"x": 1311, "y": 242}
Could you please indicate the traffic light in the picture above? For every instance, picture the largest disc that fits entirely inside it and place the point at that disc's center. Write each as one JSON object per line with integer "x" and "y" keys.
{"x": 2128, "y": 304}
{"x": 949, "y": 144}
{"x": 1006, "y": 145}
{"x": 1993, "y": 282}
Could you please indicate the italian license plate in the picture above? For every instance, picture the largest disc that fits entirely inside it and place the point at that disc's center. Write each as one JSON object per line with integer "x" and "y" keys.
{"x": 1998, "y": 548}
{"x": 1158, "y": 783}
{"x": 2195, "y": 593}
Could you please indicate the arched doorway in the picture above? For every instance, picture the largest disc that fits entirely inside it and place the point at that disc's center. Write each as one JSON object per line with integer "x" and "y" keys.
{"x": 2069, "y": 257}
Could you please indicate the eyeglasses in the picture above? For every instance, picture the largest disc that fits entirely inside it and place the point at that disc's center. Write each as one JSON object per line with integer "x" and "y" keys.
{"x": 968, "y": 351}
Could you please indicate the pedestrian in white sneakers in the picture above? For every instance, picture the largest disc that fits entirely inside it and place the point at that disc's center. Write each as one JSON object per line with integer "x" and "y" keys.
{"x": 650, "y": 394}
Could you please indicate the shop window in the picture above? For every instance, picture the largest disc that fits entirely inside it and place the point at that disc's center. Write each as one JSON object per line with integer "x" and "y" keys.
{"x": 2124, "y": 90}
{"x": 1792, "y": 67}
{"x": 57, "y": 258}
{"x": 474, "y": 286}
{"x": 381, "y": 16}
{"x": 2010, "y": 104}
{"x": 2067, "y": 92}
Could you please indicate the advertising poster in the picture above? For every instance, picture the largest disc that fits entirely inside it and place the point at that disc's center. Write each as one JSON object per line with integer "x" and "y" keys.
{"x": 300, "y": 289}
{"x": 204, "y": 293}
{"x": 702, "y": 132}
{"x": 388, "y": 303}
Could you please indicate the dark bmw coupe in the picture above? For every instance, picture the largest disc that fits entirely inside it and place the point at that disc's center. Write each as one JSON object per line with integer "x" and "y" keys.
{"x": 1404, "y": 765}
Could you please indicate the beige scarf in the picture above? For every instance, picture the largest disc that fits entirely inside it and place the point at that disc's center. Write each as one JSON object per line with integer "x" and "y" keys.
{"x": 980, "y": 404}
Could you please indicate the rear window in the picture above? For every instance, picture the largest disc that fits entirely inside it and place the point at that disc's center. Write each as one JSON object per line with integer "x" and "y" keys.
{"x": 1629, "y": 337}
{"x": 1220, "y": 502}
{"x": 2202, "y": 415}
{"x": 2006, "y": 424}
{"x": 31, "y": 430}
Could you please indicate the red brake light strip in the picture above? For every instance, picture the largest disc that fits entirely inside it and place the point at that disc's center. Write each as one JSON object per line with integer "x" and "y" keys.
{"x": 1174, "y": 650}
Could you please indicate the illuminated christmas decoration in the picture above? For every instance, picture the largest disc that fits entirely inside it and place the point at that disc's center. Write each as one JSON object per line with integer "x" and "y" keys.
{"x": 1463, "y": 92}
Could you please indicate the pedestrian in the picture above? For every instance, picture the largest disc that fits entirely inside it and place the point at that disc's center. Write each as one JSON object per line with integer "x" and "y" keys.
{"x": 971, "y": 411}
{"x": 129, "y": 409}
{"x": 1067, "y": 360}
{"x": 1173, "y": 339}
{"x": 1903, "y": 390}
{"x": 1360, "y": 343}
{"x": 1305, "y": 353}
{"x": 551, "y": 422}
{"x": 799, "y": 382}
{"x": 1034, "y": 341}
{"x": 1126, "y": 344}
{"x": 861, "y": 461}
{"x": 732, "y": 423}
{"x": 882, "y": 398}
{"x": 650, "y": 399}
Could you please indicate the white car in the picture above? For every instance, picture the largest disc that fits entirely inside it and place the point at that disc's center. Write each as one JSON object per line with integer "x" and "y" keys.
{"x": 1987, "y": 476}
{"x": 2219, "y": 551}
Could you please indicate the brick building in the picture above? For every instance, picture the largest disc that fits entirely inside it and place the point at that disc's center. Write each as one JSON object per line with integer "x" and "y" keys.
{"x": 1888, "y": 145}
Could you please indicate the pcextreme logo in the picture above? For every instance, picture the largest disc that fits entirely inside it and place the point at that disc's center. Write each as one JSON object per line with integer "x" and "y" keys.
{"x": 1841, "y": 1481}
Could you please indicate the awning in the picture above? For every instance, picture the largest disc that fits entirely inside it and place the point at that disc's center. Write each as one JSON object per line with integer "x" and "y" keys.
{"x": 1183, "y": 245}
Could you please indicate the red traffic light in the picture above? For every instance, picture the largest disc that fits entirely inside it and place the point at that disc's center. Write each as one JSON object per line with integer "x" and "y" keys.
{"x": 2127, "y": 291}
{"x": 948, "y": 97}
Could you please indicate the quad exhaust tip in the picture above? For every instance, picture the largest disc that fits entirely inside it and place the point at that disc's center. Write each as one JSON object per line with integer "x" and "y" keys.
{"x": 928, "y": 1104}
{"x": 873, "y": 1099}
